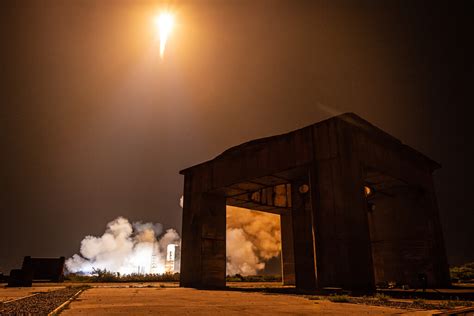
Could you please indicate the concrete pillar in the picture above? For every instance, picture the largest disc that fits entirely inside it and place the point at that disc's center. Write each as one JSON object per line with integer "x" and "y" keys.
{"x": 343, "y": 251}
{"x": 399, "y": 233}
{"x": 203, "y": 259}
{"x": 190, "y": 237}
{"x": 287, "y": 253}
{"x": 304, "y": 263}
{"x": 438, "y": 255}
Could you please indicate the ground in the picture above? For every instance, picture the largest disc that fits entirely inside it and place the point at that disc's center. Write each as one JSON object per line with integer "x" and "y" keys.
{"x": 182, "y": 301}
{"x": 7, "y": 294}
{"x": 168, "y": 299}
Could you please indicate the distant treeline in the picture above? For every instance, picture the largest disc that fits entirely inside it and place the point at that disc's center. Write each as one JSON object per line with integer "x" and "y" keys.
{"x": 99, "y": 275}
{"x": 463, "y": 273}
{"x": 253, "y": 278}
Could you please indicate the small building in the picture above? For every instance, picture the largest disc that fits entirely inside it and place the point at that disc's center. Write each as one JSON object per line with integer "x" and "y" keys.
{"x": 357, "y": 208}
{"x": 37, "y": 269}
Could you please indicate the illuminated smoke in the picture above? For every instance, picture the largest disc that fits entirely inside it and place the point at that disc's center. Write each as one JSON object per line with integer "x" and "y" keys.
{"x": 252, "y": 239}
{"x": 126, "y": 248}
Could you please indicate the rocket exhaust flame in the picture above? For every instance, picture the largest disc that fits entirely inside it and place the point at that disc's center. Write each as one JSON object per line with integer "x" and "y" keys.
{"x": 164, "y": 23}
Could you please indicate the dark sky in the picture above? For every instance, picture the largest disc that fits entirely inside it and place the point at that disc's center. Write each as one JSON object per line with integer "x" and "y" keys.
{"x": 94, "y": 125}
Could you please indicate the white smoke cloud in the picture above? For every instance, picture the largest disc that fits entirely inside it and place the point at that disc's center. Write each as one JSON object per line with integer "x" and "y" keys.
{"x": 242, "y": 256}
{"x": 252, "y": 238}
{"x": 126, "y": 248}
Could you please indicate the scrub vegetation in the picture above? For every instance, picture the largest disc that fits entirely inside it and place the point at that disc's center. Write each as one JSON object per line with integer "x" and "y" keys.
{"x": 99, "y": 275}
{"x": 384, "y": 300}
{"x": 253, "y": 278}
{"x": 464, "y": 273}
{"x": 340, "y": 298}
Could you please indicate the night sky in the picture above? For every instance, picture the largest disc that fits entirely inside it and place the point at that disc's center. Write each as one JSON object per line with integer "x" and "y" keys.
{"x": 94, "y": 125}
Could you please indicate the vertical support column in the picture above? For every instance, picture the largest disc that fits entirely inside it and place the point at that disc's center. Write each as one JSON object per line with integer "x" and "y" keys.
{"x": 439, "y": 259}
{"x": 303, "y": 241}
{"x": 190, "y": 236}
{"x": 203, "y": 259}
{"x": 341, "y": 228}
{"x": 287, "y": 253}
{"x": 213, "y": 236}
{"x": 341, "y": 225}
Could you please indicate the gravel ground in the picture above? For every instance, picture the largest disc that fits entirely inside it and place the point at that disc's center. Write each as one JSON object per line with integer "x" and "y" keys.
{"x": 40, "y": 304}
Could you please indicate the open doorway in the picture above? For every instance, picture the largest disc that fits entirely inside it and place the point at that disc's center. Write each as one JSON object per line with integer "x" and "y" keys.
{"x": 253, "y": 245}
{"x": 259, "y": 234}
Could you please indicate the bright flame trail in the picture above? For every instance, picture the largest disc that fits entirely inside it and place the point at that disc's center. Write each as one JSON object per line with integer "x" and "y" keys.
{"x": 165, "y": 23}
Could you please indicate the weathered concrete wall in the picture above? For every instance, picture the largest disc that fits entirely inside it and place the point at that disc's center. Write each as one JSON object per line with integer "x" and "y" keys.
{"x": 303, "y": 236}
{"x": 404, "y": 238}
{"x": 203, "y": 257}
{"x": 342, "y": 238}
{"x": 407, "y": 238}
{"x": 333, "y": 245}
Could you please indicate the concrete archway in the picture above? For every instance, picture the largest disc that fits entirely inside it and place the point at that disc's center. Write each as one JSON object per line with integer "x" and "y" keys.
{"x": 323, "y": 169}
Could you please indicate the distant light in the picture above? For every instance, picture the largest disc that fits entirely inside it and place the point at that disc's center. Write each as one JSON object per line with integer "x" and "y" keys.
{"x": 304, "y": 188}
{"x": 368, "y": 191}
{"x": 164, "y": 23}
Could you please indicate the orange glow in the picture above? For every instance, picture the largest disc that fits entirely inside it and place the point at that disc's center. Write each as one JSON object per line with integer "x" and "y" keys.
{"x": 164, "y": 23}
{"x": 368, "y": 191}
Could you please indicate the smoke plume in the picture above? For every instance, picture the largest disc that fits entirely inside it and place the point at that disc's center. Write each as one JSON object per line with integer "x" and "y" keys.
{"x": 252, "y": 238}
{"x": 126, "y": 248}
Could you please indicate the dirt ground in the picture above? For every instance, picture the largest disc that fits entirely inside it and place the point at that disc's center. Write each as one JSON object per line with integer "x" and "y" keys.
{"x": 129, "y": 299}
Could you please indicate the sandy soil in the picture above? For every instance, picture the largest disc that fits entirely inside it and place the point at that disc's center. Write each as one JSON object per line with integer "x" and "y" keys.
{"x": 183, "y": 301}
